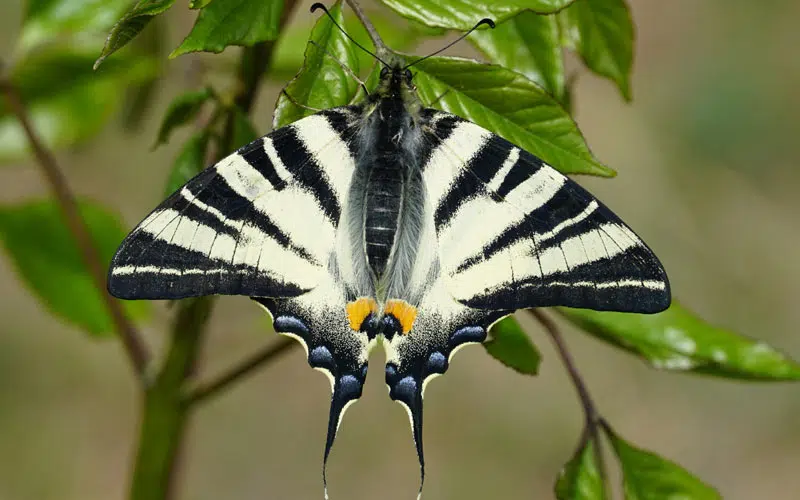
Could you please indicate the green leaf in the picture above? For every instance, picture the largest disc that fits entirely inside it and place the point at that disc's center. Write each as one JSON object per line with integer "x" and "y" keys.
{"x": 580, "y": 478}
{"x": 322, "y": 83}
{"x": 646, "y": 476}
{"x": 131, "y": 24}
{"x": 463, "y": 14}
{"x": 67, "y": 101}
{"x": 678, "y": 340}
{"x": 601, "y": 31}
{"x": 190, "y": 161}
{"x": 510, "y": 345}
{"x": 529, "y": 44}
{"x": 232, "y": 22}
{"x": 510, "y": 105}
{"x": 48, "y": 20}
{"x": 48, "y": 261}
{"x": 182, "y": 110}
{"x": 139, "y": 98}
{"x": 396, "y": 33}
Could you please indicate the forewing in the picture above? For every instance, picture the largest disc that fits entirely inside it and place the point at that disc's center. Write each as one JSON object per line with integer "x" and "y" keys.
{"x": 514, "y": 233}
{"x": 261, "y": 222}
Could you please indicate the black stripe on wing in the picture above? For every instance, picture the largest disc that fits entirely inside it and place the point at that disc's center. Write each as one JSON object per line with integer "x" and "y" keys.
{"x": 554, "y": 217}
{"x": 209, "y": 236}
{"x": 606, "y": 285}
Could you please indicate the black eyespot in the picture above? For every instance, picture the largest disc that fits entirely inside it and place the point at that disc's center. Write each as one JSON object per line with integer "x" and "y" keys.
{"x": 408, "y": 75}
{"x": 384, "y": 72}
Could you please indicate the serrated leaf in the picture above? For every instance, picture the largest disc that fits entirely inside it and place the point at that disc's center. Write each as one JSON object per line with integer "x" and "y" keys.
{"x": 46, "y": 258}
{"x": 131, "y": 24}
{"x": 182, "y": 110}
{"x": 322, "y": 83}
{"x": 463, "y": 14}
{"x": 529, "y": 44}
{"x": 601, "y": 31}
{"x": 222, "y": 23}
{"x": 510, "y": 105}
{"x": 676, "y": 339}
{"x": 48, "y": 20}
{"x": 67, "y": 101}
{"x": 580, "y": 478}
{"x": 190, "y": 161}
{"x": 510, "y": 345}
{"x": 647, "y": 476}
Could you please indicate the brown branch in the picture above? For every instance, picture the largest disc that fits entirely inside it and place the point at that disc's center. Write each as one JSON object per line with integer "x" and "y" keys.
{"x": 134, "y": 346}
{"x": 267, "y": 354}
{"x": 593, "y": 420}
{"x": 380, "y": 46}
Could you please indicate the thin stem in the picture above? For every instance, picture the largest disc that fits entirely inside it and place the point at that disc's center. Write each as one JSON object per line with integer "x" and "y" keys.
{"x": 134, "y": 345}
{"x": 592, "y": 416}
{"x": 165, "y": 414}
{"x": 235, "y": 374}
{"x": 380, "y": 47}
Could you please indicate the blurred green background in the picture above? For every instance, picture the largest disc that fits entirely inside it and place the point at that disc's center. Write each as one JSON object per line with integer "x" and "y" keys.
{"x": 707, "y": 163}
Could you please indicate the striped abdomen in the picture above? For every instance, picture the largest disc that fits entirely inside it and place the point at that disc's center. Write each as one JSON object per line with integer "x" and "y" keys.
{"x": 384, "y": 199}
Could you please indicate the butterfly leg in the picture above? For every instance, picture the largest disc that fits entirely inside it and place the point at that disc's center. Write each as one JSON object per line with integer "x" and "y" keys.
{"x": 346, "y": 68}
{"x": 293, "y": 101}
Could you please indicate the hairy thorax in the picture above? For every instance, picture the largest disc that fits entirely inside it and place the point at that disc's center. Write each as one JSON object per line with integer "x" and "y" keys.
{"x": 386, "y": 195}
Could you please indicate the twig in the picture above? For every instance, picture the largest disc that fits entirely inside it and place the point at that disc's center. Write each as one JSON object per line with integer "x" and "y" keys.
{"x": 166, "y": 413}
{"x": 380, "y": 47}
{"x": 134, "y": 346}
{"x": 267, "y": 354}
{"x": 593, "y": 420}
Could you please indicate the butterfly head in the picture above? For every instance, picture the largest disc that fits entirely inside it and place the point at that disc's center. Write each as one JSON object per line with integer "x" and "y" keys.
{"x": 395, "y": 82}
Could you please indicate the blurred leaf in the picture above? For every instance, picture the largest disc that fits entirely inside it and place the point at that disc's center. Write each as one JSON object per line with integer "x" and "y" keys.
{"x": 232, "y": 22}
{"x": 182, "y": 110}
{"x": 131, "y": 24}
{"x": 580, "y": 478}
{"x": 646, "y": 476}
{"x": 601, "y": 31}
{"x": 678, "y": 340}
{"x": 529, "y": 44}
{"x": 243, "y": 130}
{"x": 463, "y": 14}
{"x": 510, "y": 345}
{"x": 139, "y": 98}
{"x": 399, "y": 34}
{"x": 190, "y": 161}
{"x": 198, "y": 4}
{"x": 322, "y": 83}
{"x": 48, "y": 20}
{"x": 509, "y": 105}
{"x": 67, "y": 101}
{"x": 47, "y": 259}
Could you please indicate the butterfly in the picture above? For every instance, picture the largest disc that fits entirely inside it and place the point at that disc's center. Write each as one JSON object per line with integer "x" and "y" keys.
{"x": 388, "y": 221}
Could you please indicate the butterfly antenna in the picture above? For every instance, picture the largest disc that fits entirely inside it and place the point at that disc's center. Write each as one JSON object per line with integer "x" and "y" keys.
{"x": 478, "y": 25}
{"x": 325, "y": 9}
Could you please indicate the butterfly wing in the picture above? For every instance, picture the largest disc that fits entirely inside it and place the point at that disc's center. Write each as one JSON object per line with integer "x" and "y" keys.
{"x": 507, "y": 232}
{"x": 261, "y": 222}
{"x": 515, "y": 233}
{"x": 264, "y": 222}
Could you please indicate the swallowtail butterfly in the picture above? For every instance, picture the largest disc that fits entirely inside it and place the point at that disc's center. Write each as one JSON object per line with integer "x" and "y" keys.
{"x": 388, "y": 220}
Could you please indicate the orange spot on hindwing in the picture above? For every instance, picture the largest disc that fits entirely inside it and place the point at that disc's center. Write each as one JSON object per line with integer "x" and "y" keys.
{"x": 404, "y": 312}
{"x": 358, "y": 310}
